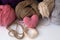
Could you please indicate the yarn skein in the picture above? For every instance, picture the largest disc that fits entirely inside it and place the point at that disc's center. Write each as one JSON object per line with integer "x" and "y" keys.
{"x": 13, "y": 3}
{"x": 26, "y": 8}
{"x": 7, "y": 15}
{"x": 45, "y": 7}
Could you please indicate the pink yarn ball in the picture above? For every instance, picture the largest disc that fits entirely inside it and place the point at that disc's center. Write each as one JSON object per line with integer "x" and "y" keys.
{"x": 7, "y": 15}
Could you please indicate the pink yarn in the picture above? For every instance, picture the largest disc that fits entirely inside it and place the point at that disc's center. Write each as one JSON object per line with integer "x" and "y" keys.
{"x": 31, "y": 22}
{"x": 7, "y": 15}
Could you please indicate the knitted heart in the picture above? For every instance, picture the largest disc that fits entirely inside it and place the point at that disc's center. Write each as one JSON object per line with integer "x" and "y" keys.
{"x": 31, "y": 22}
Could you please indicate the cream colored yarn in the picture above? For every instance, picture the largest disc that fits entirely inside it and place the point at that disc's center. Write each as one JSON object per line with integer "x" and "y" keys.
{"x": 45, "y": 7}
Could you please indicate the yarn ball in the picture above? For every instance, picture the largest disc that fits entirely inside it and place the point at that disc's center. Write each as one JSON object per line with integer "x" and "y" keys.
{"x": 31, "y": 22}
{"x": 32, "y": 33}
{"x": 7, "y": 15}
{"x": 13, "y": 3}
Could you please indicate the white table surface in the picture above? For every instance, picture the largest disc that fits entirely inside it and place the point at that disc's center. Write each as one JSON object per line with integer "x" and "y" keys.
{"x": 47, "y": 31}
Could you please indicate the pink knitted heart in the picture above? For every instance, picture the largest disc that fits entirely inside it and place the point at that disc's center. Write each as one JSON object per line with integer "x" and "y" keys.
{"x": 31, "y": 22}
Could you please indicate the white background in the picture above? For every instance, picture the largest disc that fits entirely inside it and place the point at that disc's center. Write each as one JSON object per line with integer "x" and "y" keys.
{"x": 47, "y": 31}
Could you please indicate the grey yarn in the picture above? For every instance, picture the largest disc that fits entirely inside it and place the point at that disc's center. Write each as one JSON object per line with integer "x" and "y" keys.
{"x": 56, "y": 13}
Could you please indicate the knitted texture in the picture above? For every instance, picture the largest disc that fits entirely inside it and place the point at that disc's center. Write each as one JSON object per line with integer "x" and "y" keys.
{"x": 7, "y": 15}
{"x": 31, "y": 22}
